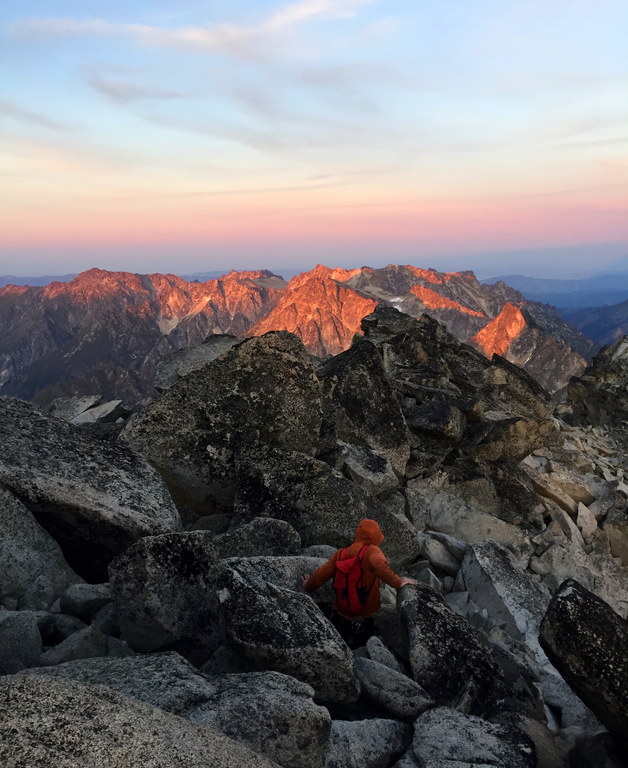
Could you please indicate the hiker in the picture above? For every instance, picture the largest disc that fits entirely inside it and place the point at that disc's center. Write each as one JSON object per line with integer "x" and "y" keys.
{"x": 357, "y": 571}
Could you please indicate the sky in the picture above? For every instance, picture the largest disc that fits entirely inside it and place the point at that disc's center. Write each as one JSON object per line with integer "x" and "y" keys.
{"x": 197, "y": 135}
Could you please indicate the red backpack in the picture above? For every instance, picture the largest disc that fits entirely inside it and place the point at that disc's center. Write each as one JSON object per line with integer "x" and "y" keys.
{"x": 351, "y": 591}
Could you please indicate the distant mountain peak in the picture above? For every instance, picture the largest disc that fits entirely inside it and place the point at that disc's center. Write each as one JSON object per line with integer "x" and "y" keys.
{"x": 501, "y": 331}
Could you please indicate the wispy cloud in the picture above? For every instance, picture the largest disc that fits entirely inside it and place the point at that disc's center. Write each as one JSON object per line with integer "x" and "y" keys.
{"x": 124, "y": 92}
{"x": 15, "y": 112}
{"x": 237, "y": 39}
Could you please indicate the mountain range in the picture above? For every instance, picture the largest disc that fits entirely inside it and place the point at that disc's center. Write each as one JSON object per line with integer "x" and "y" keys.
{"x": 104, "y": 331}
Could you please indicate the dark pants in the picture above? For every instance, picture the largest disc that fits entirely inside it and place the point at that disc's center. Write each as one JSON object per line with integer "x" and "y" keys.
{"x": 355, "y": 632}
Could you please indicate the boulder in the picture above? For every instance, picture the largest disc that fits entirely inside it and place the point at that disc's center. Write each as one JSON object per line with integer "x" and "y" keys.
{"x": 106, "y": 413}
{"x": 368, "y": 470}
{"x": 282, "y": 630}
{"x": 511, "y": 598}
{"x": 361, "y": 406}
{"x": 286, "y": 572}
{"x": 616, "y": 527}
{"x": 64, "y": 626}
{"x": 263, "y": 390}
{"x": 446, "y": 738}
{"x": 321, "y": 504}
{"x": 34, "y": 571}
{"x": 68, "y": 408}
{"x": 164, "y": 590}
{"x": 438, "y": 554}
{"x": 447, "y": 655}
{"x": 588, "y": 643}
{"x": 20, "y": 641}
{"x": 449, "y": 514}
{"x": 63, "y": 723}
{"x": 392, "y": 690}
{"x": 367, "y": 743}
{"x": 87, "y": 643}
{"x": 177, "y": 365}
{"x": 379, "y": 652}
{"x": 262, "y": 536}
{"x": 271, "y": 713}
{"x": 85, "y": 600}
{"x": 94, "y": 497}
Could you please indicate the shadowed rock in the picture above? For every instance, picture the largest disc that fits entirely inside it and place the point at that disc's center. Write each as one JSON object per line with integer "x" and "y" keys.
{"x": 95, "y": 498}
{"x": 588, "y": 643}
{"x": 32, "y": 567}
{"x": 263, "y": 390}
{"x": 282, "y": 630}
{"x": 164, "y": 589}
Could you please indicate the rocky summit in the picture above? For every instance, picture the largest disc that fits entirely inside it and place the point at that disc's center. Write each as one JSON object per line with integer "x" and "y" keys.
{"x": 152, "y": 556}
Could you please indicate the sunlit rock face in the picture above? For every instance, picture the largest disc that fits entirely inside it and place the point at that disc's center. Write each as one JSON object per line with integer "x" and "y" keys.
{"x": 105, "y": 331}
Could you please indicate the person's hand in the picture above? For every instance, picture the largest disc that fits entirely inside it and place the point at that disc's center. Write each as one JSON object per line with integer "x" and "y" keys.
{"x": 405, "y": 582}
{"x": 304, "y": 580}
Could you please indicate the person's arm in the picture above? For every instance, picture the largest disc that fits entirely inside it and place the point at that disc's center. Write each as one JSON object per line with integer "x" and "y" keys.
{"x": 321, "y": 575}
{"x": 379, "y": 564}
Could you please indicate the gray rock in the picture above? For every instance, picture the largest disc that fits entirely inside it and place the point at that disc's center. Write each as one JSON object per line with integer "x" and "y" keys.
{"x": 271, "y": 713}
{"x": 181, "y": 363}
{"x": 64, "y": 625}
{"x": 262, "y": 536}
{"x": 393, "y": 691}
{"x": 102, "y": 414}
{"x": 367, "y": 743}
{"x": 446, "y": 738}
{"x": 85, "y": 600}
{"x": 435, "y": 633}
{"x": 324, "y": 551}
{"x": 282, "y": 630}
{"x": 449, "y": 514}
{"x": 616, "y": 526}
{"x": 496, "y": 583}
{"x": 45, "y": 624}
{"x": 65, "y": 723}
{"x": 34, "y": 571}
{"x": 106, "y": 621}
{"x": 319, "y": 502}
{"x": 588, "y": 644}
{"x": 368, "y": 470}
{"x": 263, "y": 390}
{"x": 94, "y": 497}
{"x": 438, "y": 554}
{"x": 85, "y": 644}
{"x": 68, "y": 408}
{"x": 380, "y": 653}
{"x": 286, "y": 572}
{"x": 164, "y": 591}
{"x": 360, "y": 402}
{"x": 20, "y": 641}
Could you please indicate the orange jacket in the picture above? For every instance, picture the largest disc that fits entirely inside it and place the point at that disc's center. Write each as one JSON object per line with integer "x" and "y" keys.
{"x": 374, "y": 567}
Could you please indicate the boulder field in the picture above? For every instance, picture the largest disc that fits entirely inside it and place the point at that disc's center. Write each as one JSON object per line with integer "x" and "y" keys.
{"x": 151, "y": 608}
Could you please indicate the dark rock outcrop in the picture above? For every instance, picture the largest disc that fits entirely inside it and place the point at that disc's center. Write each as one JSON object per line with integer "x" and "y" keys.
{"x": 263, "y": 390}
{"x": 262, "y": 536}
{"x": 164, "y": 589}
{"x": 95, "y": 498}
{"x": 282, "y": 630}
{"x": 588, "y": 643}
{"x": 360, "y": 404}
{"x": 435, "y": 633}
{"x": 321, "y": 504}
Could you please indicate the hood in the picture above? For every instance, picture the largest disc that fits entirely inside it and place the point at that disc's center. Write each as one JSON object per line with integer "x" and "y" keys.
{"x": 369, "y": 532}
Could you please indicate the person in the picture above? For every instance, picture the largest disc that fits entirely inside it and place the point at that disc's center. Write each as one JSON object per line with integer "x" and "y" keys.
{"x": 357, "y": 626}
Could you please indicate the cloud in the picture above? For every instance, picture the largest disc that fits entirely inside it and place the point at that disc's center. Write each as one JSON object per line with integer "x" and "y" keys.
{"x": 126, "y": 92}
{"x": 14, "y": 111}
{"x": 238, "y": 40}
